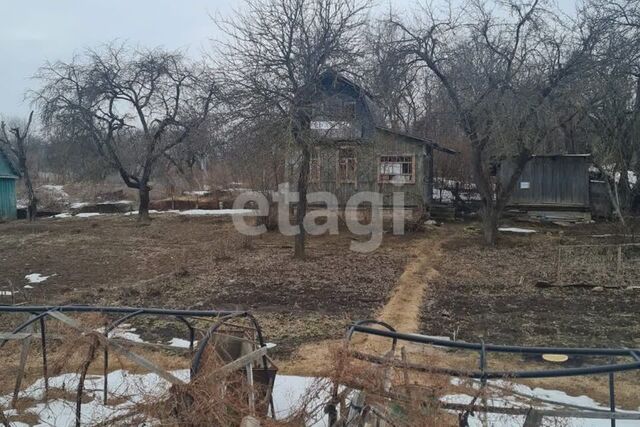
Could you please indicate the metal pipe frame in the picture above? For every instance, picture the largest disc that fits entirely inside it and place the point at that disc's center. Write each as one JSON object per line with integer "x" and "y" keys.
{"x": 40, "y": 313}
{"x": 484, "y": 349}
{"x": 423, "y": 339}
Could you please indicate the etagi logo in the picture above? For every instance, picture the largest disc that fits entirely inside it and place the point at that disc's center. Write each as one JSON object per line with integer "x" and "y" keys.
{"x": 320, "y": 221}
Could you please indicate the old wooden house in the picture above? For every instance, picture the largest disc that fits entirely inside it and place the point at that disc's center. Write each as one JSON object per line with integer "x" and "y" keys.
{"x": 354, "y": 151}
{"x": 8, "y": 177}
{"x": 557, "y": 186}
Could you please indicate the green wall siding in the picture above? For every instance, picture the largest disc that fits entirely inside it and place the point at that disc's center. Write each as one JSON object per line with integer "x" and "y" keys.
{"x": 7, "y": 198}
{"x": 368, "y": 156}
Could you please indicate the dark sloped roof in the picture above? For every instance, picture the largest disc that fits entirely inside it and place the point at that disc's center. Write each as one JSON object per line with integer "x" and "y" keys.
{"x": 13, "y": 171}
{"x": 418, "y": 139}
{"x": 335, "y": 76}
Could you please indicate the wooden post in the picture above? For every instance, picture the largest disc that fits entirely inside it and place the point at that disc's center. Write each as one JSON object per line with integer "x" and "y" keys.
{"x": 428, "y": 176}
{"x": 534, "y": 419}
{"x": 405, "y": 370}
{"x": 24, "y": 355}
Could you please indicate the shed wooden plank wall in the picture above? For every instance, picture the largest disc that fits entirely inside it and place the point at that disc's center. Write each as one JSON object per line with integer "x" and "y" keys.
{"x": 7, "y": 198}
{"x": 553, "y": 181}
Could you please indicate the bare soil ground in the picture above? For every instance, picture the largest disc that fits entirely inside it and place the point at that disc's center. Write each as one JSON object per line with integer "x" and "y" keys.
{"x": 442, "y": 282}
{"x": 491, "y": 293}
{"x": 202, "y": 263}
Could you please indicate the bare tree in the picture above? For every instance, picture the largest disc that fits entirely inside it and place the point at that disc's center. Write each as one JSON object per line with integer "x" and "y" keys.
{"x": 136, "y": 106}
{"x": 501, "y": 66}
{"x": 614, "y": 113}
{"x": 277, "y": 52}
{"x": 395, "y": 80}
{"x": 17, "y": 145}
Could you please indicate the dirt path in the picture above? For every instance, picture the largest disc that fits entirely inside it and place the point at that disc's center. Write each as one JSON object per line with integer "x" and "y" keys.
{"x": 402, "y": 311}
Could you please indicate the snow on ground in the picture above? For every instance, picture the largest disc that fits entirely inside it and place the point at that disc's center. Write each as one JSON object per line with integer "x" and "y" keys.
{"x": 516, "y": 230}
{"x": 131, "y": 389}
{"x": 124, "y": 331}
{"x": 288, "y": 393}
{"x": 198, "y": 193}
{"x": 216, "y": 212}
{"x": 36, "y": 278}
{"x": 288, "y": 390}
{"x": 122, "y": 385}
{"x": 180, "y": 343}
{"x": 87, "y": 215}
{"x": 524, "y": 396}
{"x": 56, "y": 190}
{"x": 153, "y": 211}
{"x": 446, "y": 196}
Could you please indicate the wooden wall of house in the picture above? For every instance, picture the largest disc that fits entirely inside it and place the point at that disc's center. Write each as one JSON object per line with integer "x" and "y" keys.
{"x": 367, "y": 169}
{"x": 551, "y": 181}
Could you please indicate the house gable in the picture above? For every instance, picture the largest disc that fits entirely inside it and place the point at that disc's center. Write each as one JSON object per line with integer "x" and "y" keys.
{"x": 7, "y": 170}
{"x": 343, "y": 110}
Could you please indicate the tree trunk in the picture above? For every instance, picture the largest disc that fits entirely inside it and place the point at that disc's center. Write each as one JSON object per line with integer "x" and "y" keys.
{"x": 143, "y": 208}
{"x": 490, "y": 220}
{"x": 483, "y": 184}
{"x": 301, "y": 211}
{"x": 32, "y": 208}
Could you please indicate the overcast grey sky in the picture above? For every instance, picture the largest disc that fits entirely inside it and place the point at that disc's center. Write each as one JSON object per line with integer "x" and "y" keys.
{"x": 35, "y": 31}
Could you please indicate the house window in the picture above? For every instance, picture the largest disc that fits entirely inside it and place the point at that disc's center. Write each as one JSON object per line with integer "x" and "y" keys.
{"x": 314, "y": 167}
{"x": 347, "y": 165}
{"x": 397, "y": 169}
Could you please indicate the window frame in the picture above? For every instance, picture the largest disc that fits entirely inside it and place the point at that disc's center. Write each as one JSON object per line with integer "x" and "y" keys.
{"x": 412, "y": 162}
{"x": 353, "y": 159}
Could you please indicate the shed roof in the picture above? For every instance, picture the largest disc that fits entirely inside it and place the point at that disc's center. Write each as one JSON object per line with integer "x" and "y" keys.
{"x": 563, "y": 155}
{"x": 420, "y": 140}
{"x": 7, "y": 168}
{"x": 332, "y": 76}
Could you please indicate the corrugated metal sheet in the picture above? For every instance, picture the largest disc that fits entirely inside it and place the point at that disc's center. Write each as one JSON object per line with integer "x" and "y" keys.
{"x": 7, "y": 198}
{"x": 551, "y": 181}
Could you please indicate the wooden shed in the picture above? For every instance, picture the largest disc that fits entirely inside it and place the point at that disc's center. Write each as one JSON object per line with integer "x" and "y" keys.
{"x": 8, "y": 177}
{"x": 557, "y": 183}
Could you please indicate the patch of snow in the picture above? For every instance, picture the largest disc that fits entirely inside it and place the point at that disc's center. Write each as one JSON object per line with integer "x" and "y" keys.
{"x": 520, "y": 392}
{"x": 516, "y": 230}
{"x": 152, "y": 211}
{"x": 631, "y": 176}
{"x": 218, "y": 212}
{"x": 124, "y": 331}
{"x": 118, "y": 202}
{"x": 62, "y": 215}
{"x": 288, "y": 391}
{"x": 88, "y": 214}
{"x": 122, "y": 385}
{"x": 57, "y": 191}
{"x": 180, "y": 343}
{"x": 198, "y": 193}
{"x": 28, "y": 287}
{"x": 6, "y": 293}
{"x": 446, "y": 196}
{"x": 36, "y": 278}
{"x": 79, "y": 205}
